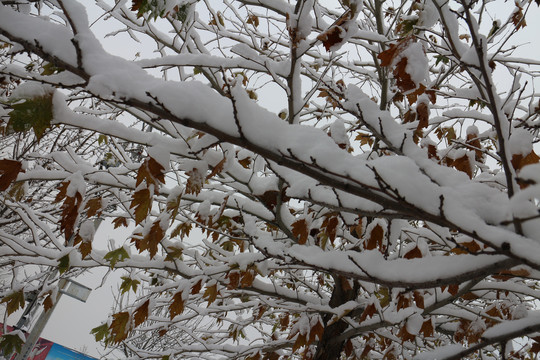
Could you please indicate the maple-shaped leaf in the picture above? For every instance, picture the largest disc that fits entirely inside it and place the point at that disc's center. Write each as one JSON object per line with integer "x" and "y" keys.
{"x": 173, "y": 205}
{"x": 464, "y": 164}
{"x": 174, "y": 253}
{"x": 85, "y": 249}
{"x": 300, "y": 230}
{"x": 93, "y": 207}
{"x": 427, "y": 328}
{"x": 116, "y": 256}
{"x": 508, "y": 274}
{"x": 70, "y": 209}
{"x": 404, "y": 335}
{"x": 142, "y": 202}
{"x": 35, "y": 113}
{"x": 234, "y": 280}
{"x": 247, "y": 278}
{"x": 100, "y": 332}
{"x": 177, "y": 305}
{"x": 375, "y": 240}
{"x": 181, "y": 230}
{"x": 329, "y": 226}
{"x": 17, "y": 191}
{"x": 518, "y": 19}
{"x": 10, "y": 344}
{"x": 13, "y": 301}
{"x": 194, "y": 182}
{"x": 120, "y": 327}
{"x": 211, "y": 293}
{"x": 453, "y": 289}
{"x": 519, "y": 161}
{"x": 418, "y": 299}
{"x": 151, "y": 240}
{"x": 422, "y": 113}
{"x": 299, "y": 342}
{"x": 63, "y": 264}
{"x": 152, "y": 172}
{"x": 403, "y": 301}
{"x": 128, "y": 284}
{"x": 195, "y": 289}
{"x": 48, "y": 302}
{"x": 141, "y": 314}
{"x": 9, "y": 170}
{"x": 120, "y": 221}
{"x": 217, "y": 169}
{"x": 413, "y": 253}
{"x": 253, "y": 20}
{"x": 368, "y": 312}
{"x": 316, "y": 331}
{"x": 332, "y": 35}
{"x": 387, "y": 56}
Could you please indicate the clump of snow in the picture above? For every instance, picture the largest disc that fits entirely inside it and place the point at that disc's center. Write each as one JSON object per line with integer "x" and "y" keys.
{"x": 417, "y": 63}
{"x": 338, "y": 132}
{"x": 28, "y": 90}
{"x": 161, "y": 154}
{"x": 87, "y": 230}
{"x": 520, "y": 142}
{"x": 428, "y": 15}
{"x": 77, "y": 184}
{"x": 414, "y": 324}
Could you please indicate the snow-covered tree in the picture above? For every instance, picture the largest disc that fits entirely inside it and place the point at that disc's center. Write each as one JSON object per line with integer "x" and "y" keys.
{"x": 309, "y": 179}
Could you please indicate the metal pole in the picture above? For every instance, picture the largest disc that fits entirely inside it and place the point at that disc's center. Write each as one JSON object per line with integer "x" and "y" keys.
{"x": 40, "y": 325}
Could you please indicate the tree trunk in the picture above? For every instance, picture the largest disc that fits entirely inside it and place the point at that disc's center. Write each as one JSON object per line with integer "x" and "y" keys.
{"x": 328, "y": 348}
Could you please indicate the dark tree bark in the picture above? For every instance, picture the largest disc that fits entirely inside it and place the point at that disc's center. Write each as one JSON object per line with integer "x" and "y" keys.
{"x": 328, "y": 348}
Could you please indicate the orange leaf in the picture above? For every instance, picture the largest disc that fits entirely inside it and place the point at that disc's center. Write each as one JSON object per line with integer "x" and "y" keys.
{"x": 330, "y": 227}
{"x": 217, "y": 169}
{"x": 418, "y": 299}
{"x": 427, "y": 328}
{"x": 85, "y": 249}
{"x": 368, "y": 312}
{"x": 151, "y": 172}
{"x": 403, "y": 301}
{"x": 195, "y": 289}
{"x": 247, "y": 278}
{"x": 519, "y": 161}
{"x": 141, "y": 314}
{"x": 375, "y": 240}
{"x": 120, "y": 221}
{"x": 234, "y": 280}
{"x": 453, "y": 289}
{"x": 9, "y": 170}
{"x": 93, "y": 206}
{"x": 142, "y": 201}
{"x": 151, "y": 240}
{"x": 300, "y": 230}
{"x": 211, "y": 293}
{"x": 414, "y": 253}
{"x": 422, "y": 111}
{"x": 48, "y": 303}
{"x": 119, "y": 327}
{"x": 177, "y": 305}
{"x": 463, "y": 164}
{"x": 195, "y": 182}
{"x": 316, "y": 330}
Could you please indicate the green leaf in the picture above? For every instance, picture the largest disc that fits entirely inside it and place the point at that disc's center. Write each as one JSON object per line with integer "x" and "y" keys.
{"x": 128, "y": 284}
{"x": 116, "y": 256}
{"x": 35, "y": 113}
{"x": 63, "y": 264}
{"x": 10, "y": 344}
{"x": 14, "y": 302}
{"x": 101, "y": 332}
